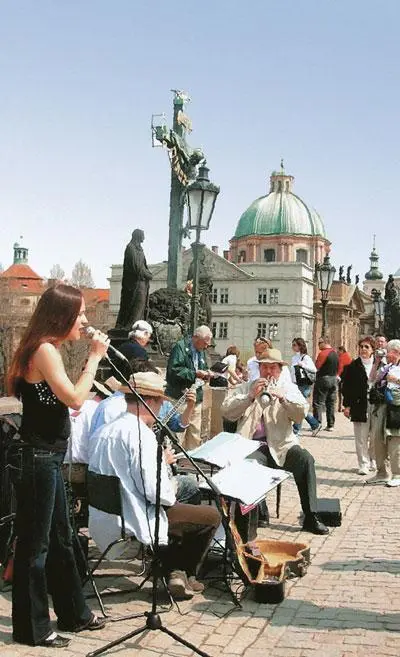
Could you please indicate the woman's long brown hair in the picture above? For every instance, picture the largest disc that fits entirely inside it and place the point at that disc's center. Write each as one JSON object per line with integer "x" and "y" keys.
{"x": 52, "y": 320}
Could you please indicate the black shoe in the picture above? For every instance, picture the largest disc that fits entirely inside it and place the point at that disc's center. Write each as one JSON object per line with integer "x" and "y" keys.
{"x": 328, "y": 429}
{"x": 57, "y": 642}
{"x": 313, "y": 525}
{"x": 94, "y": 623}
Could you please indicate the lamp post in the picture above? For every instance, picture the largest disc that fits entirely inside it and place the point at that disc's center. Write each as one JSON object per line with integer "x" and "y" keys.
{"x": 325, "y": 274}
{"x": 379, "y": 306}
{"x": 201, "y": 196}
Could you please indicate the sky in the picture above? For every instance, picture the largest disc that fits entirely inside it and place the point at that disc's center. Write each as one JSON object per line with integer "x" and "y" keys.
{"x": 313, "y": 81}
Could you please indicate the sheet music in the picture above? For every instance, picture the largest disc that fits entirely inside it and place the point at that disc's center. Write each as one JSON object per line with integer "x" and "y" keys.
{"x": 224, "y": 449}
{"x": 247, "y": 481}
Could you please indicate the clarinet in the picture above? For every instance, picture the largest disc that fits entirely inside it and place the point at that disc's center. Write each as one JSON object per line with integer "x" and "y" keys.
{"x": 171, "y": 467}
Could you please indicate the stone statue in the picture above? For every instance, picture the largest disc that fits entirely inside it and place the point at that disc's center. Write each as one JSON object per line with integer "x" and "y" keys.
{"x": 392, "y": 309}
{"x": 136, "y": 279}
{"x": 357, "y": 279}
{"x": 341, "y": 276}
{"x": 348, "y": 274}
{"x": 205, "y": 286}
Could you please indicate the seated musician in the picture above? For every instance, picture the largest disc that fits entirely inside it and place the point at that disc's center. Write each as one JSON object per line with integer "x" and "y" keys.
{"x": 186, "y": 486}
{"x": 269, "y": 417}
{"x": 127, "y": 448}
{"x": 77, "y": 448}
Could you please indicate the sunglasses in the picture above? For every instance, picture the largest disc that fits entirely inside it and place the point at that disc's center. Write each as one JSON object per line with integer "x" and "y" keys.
{"x": 365, "y": 346}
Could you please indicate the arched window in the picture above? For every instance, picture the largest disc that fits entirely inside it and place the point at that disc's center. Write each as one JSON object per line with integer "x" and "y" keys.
{"x": 279, "y": 185}
{"x": 269, "y": 255}
{"x": 302, "y": 256}
{"x": 287, "y": 186}
{"x": 242, "y": 256}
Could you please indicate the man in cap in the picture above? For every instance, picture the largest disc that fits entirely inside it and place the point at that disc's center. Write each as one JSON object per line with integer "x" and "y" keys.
{"x": 127, "y": 448}
{"x": 265, "y": 410}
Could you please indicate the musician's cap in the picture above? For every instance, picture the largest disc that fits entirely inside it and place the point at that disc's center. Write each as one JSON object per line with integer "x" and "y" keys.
{"x": 101, "y": 388}
{"x": 142, "y": 325}
{"x": 271, "y": 356}
{"x": 148, "y": 384}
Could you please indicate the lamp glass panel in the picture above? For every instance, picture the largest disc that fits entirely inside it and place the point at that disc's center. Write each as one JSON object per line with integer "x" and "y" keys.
{"x": 195, "y": 199}
{"x": 208, "y": 206}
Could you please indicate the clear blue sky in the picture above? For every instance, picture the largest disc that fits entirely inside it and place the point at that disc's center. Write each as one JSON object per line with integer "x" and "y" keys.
{"x": 313, "y": 81}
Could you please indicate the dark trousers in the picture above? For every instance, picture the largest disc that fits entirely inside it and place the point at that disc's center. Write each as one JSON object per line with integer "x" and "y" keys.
{"x": 190, "y": 529}
{"x": 324, "y": 396}
{"x": 44, "y": 558}
{"x": 301, "y": 464}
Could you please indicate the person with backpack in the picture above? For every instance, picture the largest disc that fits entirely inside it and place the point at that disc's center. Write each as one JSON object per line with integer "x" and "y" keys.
{"x": 303, "y": 372}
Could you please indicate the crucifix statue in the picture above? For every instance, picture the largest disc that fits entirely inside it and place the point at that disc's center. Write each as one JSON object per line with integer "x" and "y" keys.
{"x": 183, "y": 160}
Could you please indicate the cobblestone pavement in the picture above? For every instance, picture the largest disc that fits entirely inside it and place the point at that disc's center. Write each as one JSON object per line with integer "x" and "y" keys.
{"x": 347, "y": 605}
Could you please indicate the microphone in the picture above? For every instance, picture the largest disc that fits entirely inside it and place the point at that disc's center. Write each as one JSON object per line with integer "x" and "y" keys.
{"x": 89, "y": 332}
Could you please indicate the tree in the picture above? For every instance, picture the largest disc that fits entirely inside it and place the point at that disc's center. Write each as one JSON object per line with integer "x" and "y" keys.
{"x": 57, "y": 273}
{"x": 82, "y": 275}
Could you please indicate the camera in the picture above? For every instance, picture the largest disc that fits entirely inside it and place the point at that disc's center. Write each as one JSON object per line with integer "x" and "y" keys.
{"x": 380, "y": 353}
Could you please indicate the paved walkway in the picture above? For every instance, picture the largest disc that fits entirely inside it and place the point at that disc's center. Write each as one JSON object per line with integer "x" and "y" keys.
{"x": 347, "y": 605}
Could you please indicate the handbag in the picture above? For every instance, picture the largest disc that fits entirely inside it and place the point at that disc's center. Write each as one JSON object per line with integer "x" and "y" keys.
{"x": 303, "y": 377}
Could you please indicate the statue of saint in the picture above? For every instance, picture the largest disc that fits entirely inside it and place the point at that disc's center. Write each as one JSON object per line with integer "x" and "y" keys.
{"x": 357, "y": 279}
{"x": 348, "y": 275}
{"x": 205, "y": 286}
{"x": 136, "y": 279}
{"x": 341, "y": 276}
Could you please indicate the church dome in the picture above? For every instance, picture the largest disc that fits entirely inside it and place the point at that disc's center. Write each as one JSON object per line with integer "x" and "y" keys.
{"x": 280, "y": 212}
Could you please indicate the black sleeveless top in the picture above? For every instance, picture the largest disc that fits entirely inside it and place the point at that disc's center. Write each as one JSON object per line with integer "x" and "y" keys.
{"x": 45, "y": 419}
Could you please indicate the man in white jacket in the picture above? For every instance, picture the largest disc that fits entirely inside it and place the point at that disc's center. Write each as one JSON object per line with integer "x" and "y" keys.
{"x": 265, "y": 410}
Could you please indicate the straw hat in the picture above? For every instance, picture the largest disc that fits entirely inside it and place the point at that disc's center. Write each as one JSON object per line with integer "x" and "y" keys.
{"x": 148, "y": 384}
{"x": 101, "y": 388}
{"x": 271, "y": 356}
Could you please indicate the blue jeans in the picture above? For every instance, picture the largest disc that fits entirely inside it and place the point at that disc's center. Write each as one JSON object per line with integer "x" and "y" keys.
{"x": 44, "y": 558}
{"x": 306, "y": 392}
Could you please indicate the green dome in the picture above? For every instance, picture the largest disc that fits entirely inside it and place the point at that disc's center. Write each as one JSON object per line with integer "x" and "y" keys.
{"x": 280, "y": 213}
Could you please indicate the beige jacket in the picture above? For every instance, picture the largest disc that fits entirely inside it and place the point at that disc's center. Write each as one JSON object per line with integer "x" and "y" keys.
{"x": 278, "y": 416}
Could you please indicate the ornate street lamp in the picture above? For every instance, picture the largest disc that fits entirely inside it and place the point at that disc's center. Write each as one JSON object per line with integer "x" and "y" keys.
{"x": 379, "y": 306}
{"x": 201, "y": 196}
{"x": 325, "y": 274}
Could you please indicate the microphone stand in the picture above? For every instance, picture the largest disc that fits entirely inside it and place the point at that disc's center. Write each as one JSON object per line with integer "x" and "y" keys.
{"x": 153, "y": 619}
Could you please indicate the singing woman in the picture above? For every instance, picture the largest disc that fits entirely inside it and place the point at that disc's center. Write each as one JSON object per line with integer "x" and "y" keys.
{"x": 44, "y": 558}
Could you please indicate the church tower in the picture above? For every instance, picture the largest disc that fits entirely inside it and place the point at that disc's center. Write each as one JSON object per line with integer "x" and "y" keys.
{"x": 373, "y": 277}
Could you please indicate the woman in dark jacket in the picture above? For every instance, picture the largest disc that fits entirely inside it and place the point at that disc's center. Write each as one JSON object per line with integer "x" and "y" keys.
{"x": 355, "y": 386}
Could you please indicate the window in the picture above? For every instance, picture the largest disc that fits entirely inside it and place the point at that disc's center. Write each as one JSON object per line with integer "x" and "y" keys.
{"x": 223, "y": 330}
{"x": 262, "y": 295}
{"x": 214, "y": 329}
{"x": 279, "y": 185}
{"x": 269, "y": 255}
{"x": 287, "y": 186}
{"x": 302, "y": 255}
{"x": 223, "y": 295}
{"x": 272, "y": 331}
{"x": 219, "y": 295}
{"x": 261, "y": 330}
{"x": 273, "y": 295}
{"x": 242, "y": 256}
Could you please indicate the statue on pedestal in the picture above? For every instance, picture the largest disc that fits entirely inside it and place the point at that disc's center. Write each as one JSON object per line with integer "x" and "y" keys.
{"x": 348, "y": 275}
{"x": 392, "y": 309}
{"x": 136, "y": 279}
{"x": 341, "y": 276}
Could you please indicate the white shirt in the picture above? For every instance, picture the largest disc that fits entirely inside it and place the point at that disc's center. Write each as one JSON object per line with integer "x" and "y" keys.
{"x": 77, "y": 449}
{"x": 127, "y": 448}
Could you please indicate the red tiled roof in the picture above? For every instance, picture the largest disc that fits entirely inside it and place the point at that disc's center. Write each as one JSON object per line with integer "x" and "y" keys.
{"x": 22, "y": 278}
{"x": 94, "y": 295}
